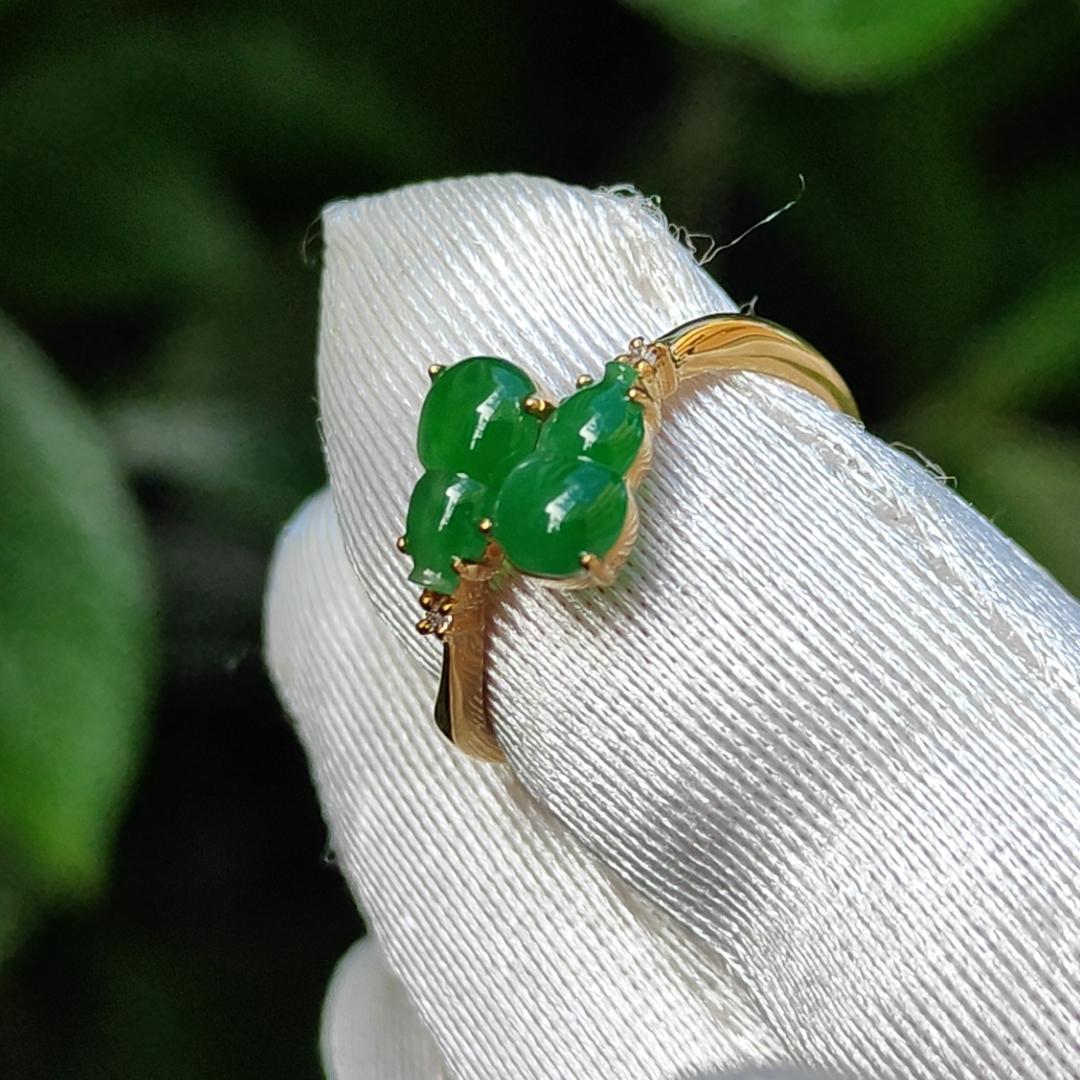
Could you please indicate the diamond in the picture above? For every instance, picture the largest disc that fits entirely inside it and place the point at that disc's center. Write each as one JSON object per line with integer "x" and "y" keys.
{"x": 438, "y": 613}
{"x": 640, "y": 349}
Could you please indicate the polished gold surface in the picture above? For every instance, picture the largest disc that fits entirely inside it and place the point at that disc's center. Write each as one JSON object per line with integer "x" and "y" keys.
{"x": 721, "y": 343}
{"x": 714, "y": 344}
{"x": 537, "y": 406}
{"x": 461, "y": 707}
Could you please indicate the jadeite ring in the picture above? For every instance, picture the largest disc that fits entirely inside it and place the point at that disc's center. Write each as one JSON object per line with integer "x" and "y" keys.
{"x": 514, "y": 482}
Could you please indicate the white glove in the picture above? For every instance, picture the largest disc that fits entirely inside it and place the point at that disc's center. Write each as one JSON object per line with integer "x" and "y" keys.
{"x": 801, "y": 789}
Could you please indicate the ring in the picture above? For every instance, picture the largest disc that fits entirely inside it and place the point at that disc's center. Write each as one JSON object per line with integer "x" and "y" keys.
{"x": 516, "y": 483}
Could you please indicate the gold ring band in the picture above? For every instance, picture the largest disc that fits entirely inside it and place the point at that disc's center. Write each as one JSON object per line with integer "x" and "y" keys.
{"x": 716, "y": 343}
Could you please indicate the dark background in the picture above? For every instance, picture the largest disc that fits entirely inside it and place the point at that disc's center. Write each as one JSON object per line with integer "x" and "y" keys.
{"x": 166, "y": 906}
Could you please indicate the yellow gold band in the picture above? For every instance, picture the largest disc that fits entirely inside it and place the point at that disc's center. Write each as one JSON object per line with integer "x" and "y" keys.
{"x": 716, "y": 343}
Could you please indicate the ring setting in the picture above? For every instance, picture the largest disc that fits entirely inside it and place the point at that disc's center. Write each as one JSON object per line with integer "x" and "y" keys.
{"x": 516, "y": 482}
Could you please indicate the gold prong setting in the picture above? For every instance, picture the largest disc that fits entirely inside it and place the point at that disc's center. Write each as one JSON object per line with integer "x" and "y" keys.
{"x": 538, "y": 407}
{"x": 517, "y": 535}
{"x": 656, "y": 367}
{"x": 438, "y": 617}
{"x": 597, "y": 570}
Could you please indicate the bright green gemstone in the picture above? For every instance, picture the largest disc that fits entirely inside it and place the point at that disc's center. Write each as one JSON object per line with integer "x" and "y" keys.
{"x": 550, "y": 512}
{"x": 599, "y": 422}
{"x": 445, "y": 511}
{"x": 473, "y": 420}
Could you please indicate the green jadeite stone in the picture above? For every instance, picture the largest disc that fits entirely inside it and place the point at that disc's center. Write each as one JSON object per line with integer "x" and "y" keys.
{"x": 550, "y": 512}
{"x": 445, "y": 510}
{"x": 473, "y": 420}
{"x": 599, "y": 422}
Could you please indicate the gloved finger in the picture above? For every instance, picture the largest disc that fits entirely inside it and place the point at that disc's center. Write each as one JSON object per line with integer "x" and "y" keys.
{"x": 521, "y": 958}
{"x": 826, "y": 719}
{"x": 370, "y": 1031}
{"x": 554, "y": 277}
{"x": 833, "y": 728}
{"x": 771, "y": 1074}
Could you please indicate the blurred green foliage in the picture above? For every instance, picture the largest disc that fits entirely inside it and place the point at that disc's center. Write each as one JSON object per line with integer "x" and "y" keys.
{"x": 834, "y": 43}
{"x": 161, "y": 167}
{"x": 75, "y": 639}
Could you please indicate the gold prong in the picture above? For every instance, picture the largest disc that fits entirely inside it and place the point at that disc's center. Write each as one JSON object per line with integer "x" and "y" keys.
{"x": 538, "y": 407}
{"x": 637, "y": 344}
{"x": 582, "y": 381}
{"x": 485, "y": 525}
{"x": 644, "y": 368}
{"x": 445, "y": 605}
{"x": 638, "y": 395}
{"x": 444, "y": 627}
{"x": 599, "y": 572}
{"x": 428, "y": 599}
{"x": 425, "y": 625}
{"x": 435, "y": 370}
{"x": 402, "y": 544}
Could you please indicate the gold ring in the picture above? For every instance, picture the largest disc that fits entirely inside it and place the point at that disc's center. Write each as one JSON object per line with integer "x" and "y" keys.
{"x": 516, "y": 483}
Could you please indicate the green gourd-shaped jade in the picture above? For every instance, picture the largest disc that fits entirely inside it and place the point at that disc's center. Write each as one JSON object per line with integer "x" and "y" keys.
{"x": 473, "y": 430}
{"x": 569, "y": 498}
{"x": 549, "y": 487}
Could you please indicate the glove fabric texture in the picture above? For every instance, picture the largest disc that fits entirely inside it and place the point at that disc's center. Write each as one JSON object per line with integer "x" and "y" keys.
{"x": 801, "y": 790}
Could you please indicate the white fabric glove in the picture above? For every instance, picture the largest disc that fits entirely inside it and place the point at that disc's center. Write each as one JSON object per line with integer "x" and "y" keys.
{"x": 802, "y": 789}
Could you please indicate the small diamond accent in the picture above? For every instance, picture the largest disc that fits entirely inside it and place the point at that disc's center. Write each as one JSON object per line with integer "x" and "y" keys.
{"x": 438, "y": 613}
{"x": 640, "y": 349}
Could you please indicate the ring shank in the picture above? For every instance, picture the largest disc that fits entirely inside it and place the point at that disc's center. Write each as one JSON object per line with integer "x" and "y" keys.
{"x": 461, "y": 705}
{"x": 744, "y": 343}
{"x": 715, "y": 343}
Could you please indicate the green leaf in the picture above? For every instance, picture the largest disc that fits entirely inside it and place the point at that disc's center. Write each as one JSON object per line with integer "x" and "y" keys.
{"x": 76, "y": 636}
{"x": 831, "y": 43}
{"x": 126, "y": 152}
{"x": 234, "y": 464}
{"x": 13, "y": 919}
{"x": 1028, "y": 481}
{"x": 1025, "y": 361}
{"x": 1030, "y": 355}
{"x": 978, "y": 421}
{"x": 123, "y": 203}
